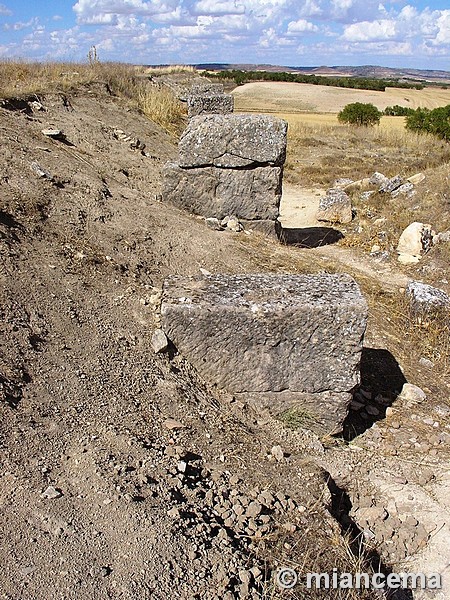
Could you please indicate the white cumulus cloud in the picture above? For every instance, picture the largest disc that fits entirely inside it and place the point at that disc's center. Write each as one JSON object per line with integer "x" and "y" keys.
{"x": 302, "y": 26}
{"x": 384, "y": 29}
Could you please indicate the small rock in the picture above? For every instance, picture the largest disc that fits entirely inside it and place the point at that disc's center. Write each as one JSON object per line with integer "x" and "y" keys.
{"x": 40, "y": 172}
{"x": 423, "y": 297}
{"x": 407, "y": 189}
{"x": 51, "y": 493}
{"x": 378, "y": 179}
{"x": 254, "y": 509}
{"x": 213, "y": 223}
{"x": 335, "y": 207}
{"x": 172, "y": 424}
{"x": 414, "y": 242}
{"x": 159, "y": 342}
{"x": 245, "y": 576}
{"x": 53, "y": 133}
{"x": 443, "y": 237}
{"x": 412, "y": 394}
{"x": 425, "y": 362}
{"x": 372, "y": 410}
{"x": 174, "y": 513}
{"x": 277, "y": 453}
{"x": 355, "y": 405}
{"x": 390, "y": 185}
{"x": 417, "y": 178}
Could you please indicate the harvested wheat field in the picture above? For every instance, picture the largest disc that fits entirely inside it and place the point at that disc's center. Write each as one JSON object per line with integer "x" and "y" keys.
{"x": 288, "y": 97}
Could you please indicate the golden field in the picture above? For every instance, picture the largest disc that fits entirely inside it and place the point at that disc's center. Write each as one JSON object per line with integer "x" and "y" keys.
{"x": 285, "y": 97}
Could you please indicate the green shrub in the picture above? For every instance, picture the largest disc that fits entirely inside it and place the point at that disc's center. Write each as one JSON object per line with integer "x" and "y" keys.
{"x": 398, "y": 111}
{"x": 358, "y": 113}
{"x": 436, "y": 121}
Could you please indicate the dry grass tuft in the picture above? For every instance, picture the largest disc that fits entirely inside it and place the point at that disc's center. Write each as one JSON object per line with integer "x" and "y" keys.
{"x": 169, "y": 69}
{"x": 18, "y": 79}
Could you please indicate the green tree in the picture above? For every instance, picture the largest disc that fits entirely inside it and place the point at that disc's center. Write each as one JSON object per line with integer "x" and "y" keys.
{"x": 358, "y": 113}
{"x": 436, "y": 121}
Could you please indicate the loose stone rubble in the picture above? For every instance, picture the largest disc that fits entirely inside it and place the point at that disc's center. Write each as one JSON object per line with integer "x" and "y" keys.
{"x": 229, "y": 165}
{"x": 277, "y": 341}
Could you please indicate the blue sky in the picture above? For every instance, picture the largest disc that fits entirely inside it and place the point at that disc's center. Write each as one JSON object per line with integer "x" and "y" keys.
{"x": 409, "y": 33}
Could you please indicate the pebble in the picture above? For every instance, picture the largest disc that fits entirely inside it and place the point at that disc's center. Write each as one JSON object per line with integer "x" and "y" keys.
{"x": 159, "y": 341}
{"x": 51, "y": 493}
{"x": 52, "y": 132}
{"x": 172, "y": 424}
{"x": 277, "y": 453}
{"x": 254, "y": 509}
{"x": 425, "y": 362}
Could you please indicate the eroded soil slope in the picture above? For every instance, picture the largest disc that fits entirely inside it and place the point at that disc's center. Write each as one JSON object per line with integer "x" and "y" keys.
{"x": 123, "y": 474}
{"x": 103, "y": 495}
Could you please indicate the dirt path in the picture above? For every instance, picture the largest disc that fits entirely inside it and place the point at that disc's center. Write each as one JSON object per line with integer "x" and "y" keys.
{"x": 298, "y": 210}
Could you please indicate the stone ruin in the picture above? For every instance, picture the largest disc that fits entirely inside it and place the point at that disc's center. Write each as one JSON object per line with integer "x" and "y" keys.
{"x": 230, "y": 165}
{"x": 209, "y": 98}
{"x": 279, "y": 342}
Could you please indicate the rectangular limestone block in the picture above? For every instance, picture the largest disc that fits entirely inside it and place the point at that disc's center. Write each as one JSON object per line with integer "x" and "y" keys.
{"x": 251, "y": 194}
{"x": 268, "y": 333}
{"x": 233, "y": 141}
{"x": 213, "y": 104}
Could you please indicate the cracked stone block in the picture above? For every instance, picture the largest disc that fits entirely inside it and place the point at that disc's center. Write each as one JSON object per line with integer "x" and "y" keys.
{"x": 212, "y": 104}
{"x": 250, "y": 194}
{"x": 233, "y": 141}
{"x": 283, "y": 340}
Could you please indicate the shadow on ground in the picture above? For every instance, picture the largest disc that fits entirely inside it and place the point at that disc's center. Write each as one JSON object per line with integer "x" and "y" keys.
{"x": 308, "y": 237}
{"x": 381, "y": 382}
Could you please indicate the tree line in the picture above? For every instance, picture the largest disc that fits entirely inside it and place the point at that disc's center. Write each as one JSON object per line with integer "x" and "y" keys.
{"x": 360, "y": 83}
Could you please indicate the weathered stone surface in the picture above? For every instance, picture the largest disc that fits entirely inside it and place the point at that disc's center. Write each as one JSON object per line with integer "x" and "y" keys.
{"x": 391, "y": 184}
{"x": 233, "y": 141}
{"x": 213, "y": 104}
{"x": 335, "y": 207}
{"x": 252, "y": 194}
{"x": 269, "y": 333}
{"x": 159, "y": 341}
{"x": 415, "y": 240}
{"x": 323, "y": 412}
{"x": 425, "y": 298}
{"x": 406, "y": 188}
{"x": 205, "y": 88}
{"x": 417, "y": 178}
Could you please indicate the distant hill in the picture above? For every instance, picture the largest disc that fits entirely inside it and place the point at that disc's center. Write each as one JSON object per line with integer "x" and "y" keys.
{"x": 369, "y": 71}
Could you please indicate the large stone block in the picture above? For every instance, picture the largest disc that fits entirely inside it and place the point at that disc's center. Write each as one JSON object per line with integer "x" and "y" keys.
{"x": 252, "y": 194}
{"x": 212, "y": 104}
{"x": 233, "y": 141}
{"x": 263, "y": 335}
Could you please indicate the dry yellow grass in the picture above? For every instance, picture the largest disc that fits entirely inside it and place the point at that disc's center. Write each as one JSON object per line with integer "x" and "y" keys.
{"x": 19, "y": 78}
{"x": 167, "y": 69}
